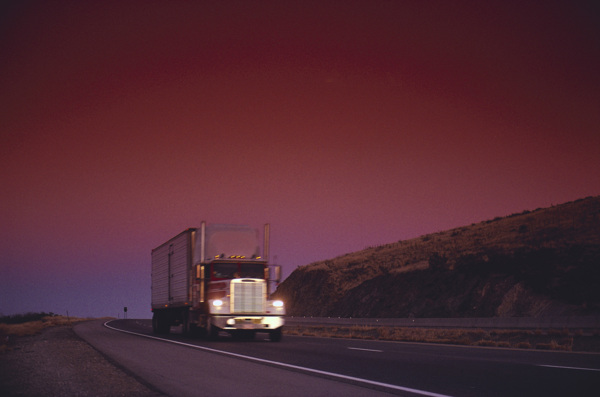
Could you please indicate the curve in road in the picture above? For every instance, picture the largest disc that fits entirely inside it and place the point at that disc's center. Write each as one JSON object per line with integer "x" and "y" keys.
{"x": 177, "y": 370}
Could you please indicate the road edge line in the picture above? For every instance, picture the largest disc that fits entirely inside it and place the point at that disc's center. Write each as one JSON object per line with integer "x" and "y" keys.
{"x": 284, "y": 365}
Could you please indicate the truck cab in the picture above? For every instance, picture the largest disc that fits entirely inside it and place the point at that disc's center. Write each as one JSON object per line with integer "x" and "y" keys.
{"x": 238, "y": 299}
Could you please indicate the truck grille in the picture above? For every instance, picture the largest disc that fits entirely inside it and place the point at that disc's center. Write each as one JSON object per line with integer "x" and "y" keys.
{"x": 248, "y": 296}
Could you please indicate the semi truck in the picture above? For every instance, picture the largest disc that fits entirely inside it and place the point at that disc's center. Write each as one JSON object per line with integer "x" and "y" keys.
{"x": 215, "y": 278}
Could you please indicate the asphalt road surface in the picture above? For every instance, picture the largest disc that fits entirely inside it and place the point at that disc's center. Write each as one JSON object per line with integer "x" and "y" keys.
{"x": 306, "y": 366}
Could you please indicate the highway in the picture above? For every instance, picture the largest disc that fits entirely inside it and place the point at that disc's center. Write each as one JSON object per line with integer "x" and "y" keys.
{"x": 303, "y": 366}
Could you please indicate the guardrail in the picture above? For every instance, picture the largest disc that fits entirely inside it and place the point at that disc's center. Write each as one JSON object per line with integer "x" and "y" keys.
{"x": 583, "y": 322}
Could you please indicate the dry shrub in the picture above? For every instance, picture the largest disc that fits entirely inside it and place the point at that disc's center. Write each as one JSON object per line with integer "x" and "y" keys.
{"x": 385, "y": 333}
{"x": 60, "y": 320}
{"x": 563, "y": 344}
{"x": 558, "y": 332}
{"x": 489, "y": 343}
{"x": 25, "y": 329}
{"x": 314, "y": 331}
{"x": 514, "y": 333}
{"x": 465, "y": 340}
{"x": 524, "y": 345}
{"x": 456, "y": 336}
{"x": 363, "y": 332}
{"x": 479, "y": 334}
{"x": 566, "y": 341}
{"x": 289, "y": 330}
{"x": 545, "y": 346}
{"x": 35, "y": 327}
{"x": 31, "y": 328}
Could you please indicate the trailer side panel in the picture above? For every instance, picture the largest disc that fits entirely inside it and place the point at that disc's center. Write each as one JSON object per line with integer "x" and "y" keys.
{"x": 171, "y": 265}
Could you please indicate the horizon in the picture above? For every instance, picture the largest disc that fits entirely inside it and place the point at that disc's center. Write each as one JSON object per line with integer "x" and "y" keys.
{"x": 122, "y": 314}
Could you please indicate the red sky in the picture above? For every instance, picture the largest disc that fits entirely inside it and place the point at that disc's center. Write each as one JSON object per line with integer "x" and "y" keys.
{"x": 343, "y": 124}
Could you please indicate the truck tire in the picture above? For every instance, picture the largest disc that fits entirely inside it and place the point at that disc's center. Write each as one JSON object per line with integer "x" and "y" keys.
{"x": 155, "y": 326}
{"x": 196, "y": 331}
{"x": 185, "y": 323}
{"x": 275, "y": 335}
{"x": 160, "y": 324}
{"x": 212, "y": 332}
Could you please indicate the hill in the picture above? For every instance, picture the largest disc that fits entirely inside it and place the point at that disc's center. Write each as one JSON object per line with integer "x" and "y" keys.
{"x": 544, "y": 262}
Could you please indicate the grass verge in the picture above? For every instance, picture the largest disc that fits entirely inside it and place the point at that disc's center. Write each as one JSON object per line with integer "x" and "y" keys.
{"x": 565, "y": 340}
{"x": 11, "y": 329}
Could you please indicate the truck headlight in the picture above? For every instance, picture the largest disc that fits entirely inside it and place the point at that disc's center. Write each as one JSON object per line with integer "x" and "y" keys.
{"x": 217, "y": 303}
{"x": 278, "y": 303}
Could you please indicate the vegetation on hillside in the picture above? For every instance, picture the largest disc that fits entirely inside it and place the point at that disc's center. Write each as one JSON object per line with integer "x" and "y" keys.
{"x": 535, "y": 263}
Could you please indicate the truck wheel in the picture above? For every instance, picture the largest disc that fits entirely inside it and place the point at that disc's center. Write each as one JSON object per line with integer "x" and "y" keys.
{"x": 154, "y": 324}
{"x": 275, "y": 335}
{"x": 160, "y": 324}
{"x": 195, "y": 331}
{"x": 185, "y": 324}
{"x": 199, "y": 332}
{"x": 212, "y": 331}
{"x": 157, "y": 327}
{"x": 164, "y": 326}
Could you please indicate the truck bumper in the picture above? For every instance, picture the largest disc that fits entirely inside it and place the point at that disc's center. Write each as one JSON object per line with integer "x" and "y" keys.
{"x": 254, "y": 322}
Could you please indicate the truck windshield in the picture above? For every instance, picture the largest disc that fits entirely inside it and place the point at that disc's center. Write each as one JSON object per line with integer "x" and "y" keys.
{"x": 252, "y": 270}
{"x": 224, "y": 270}
{"x": 238, "y": 270}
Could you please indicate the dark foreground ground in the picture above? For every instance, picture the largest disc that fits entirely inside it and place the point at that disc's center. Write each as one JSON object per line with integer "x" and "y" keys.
{"x": 58, "y": 363}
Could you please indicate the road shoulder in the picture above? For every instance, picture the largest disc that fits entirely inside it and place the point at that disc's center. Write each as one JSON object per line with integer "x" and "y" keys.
{"x": 58, "y": 362}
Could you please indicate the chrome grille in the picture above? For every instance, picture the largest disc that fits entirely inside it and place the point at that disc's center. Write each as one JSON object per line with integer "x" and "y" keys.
{"x": 248, "y": 296}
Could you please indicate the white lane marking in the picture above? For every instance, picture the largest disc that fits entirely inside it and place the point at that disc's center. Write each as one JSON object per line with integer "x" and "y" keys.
{"x": 276, "y": 363}
{"x": 366, "y": 350}
{"x": 576, "y": 368}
